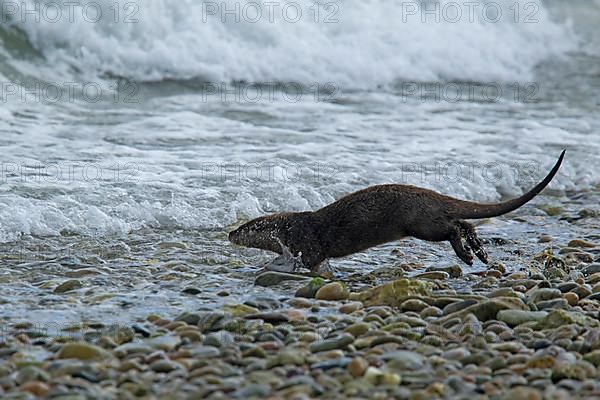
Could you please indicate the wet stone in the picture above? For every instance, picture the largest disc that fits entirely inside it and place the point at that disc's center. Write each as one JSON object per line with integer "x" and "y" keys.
{"x": 271, "y": 317}
{"x": 460, "y": 305}
{"x": 415, "y": 305}
{"x": 594, "y": 297}
{"x": 579, "y": 370}
{"x": 164, "y": 366}
{"x": 165, "y": 342}
{"x": 454, "y": 271}
{"x": 523, "y": 393}
{"x": 31, "y": 373}
{"x": 254, "y": 390}
{"x": 219, "y": 339}
{"x": 36, "y": 388}
{"x": 357, "y": 367}
{"x": 553, "y": 304}
{"x": 591, "y": 269}
{"x": 82, "y": 351}
{"x": 273, "y": 278}
{"x": 581, "y": 291}
{"x": 430, "y": 312}
{"x": 191, "y": 290}
{"x": 404, "y": 360}
{"x": 358, "y": 329}
{"x": 263, "y": 303}
{"x": 581, "y": 243}
{"x": 350, "y": 307}
{"x": 339, "y": 342}
{"x": 504, "y": 292}
{"x": 456, "y": 354}
{"x": 205, "y": 352}
{"x": 141, "y": 330}
{"x": 341, "y": 362}
{"x": 189, "y": 318}
{"x": 68, "y": 286}
{"x": 541, "y": 294}
{"x": 332, "y": 291}
{"x": 433, "y": 275}
{"x": 545, "y": 239}
{"x": 310, "y": 289}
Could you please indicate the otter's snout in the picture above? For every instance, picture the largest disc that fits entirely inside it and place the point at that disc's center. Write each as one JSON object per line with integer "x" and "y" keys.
{"x": 260, "y": 233}
{"x": 234, "y": 236}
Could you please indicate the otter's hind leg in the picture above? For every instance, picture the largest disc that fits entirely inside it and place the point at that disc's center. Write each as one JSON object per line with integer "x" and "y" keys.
{"x": 464, "y": 253}
{"x": 468, "y": 232}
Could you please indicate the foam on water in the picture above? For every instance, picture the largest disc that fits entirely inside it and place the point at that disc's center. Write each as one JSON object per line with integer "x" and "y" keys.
{"x": 366, "y": 43}
{"x": 368, "y": 135}
{"x": 187, "y": 178}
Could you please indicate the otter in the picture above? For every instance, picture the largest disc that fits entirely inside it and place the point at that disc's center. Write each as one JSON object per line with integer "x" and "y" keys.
{"x": 373, "y": 216}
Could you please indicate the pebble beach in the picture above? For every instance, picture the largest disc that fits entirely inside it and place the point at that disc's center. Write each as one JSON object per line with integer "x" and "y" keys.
{"x": 135, "y": 136}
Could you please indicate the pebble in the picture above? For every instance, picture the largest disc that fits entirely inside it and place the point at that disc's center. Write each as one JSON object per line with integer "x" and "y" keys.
{"x": 456, "y": 354}
{"x": 271, "y": 317}
{"x": 430, "y": 312}
{"x": 402, "y": 360}
{"x": 68, "y": 286}
{"x": 454, "y": 271}
{"x": 545, "y": 239}
{"x": 457, "y": 306}
{"x": 310, "y": 289}
{"x": 350, "y": 307}
{"x": 415, "y": 305}
{"x": 36, "y": 388}
{"x": 532, "y": 334}
{"x": 252, "y": 390}
{"x": 82, "y": 351}
{"x": 332, "y": 291}
{"x": 522, "y": 393}
{"x": 357, "y": 367}
{"x": 591, "y": 269}
{"x": 518, "y": 317}
{"x": 581, "y": 243}
{"x": 375, "y": 376}
{"x": 164, "y": 366}
{"x": 165, "y": 342}
{"x": 358, "y": 329}
{"x": 272, "y": 278}
{"x": 339, "y": 342}
{"x": 541, "y": 294}
{"x": 553, "y": 304}
{"x": 571, "y": 298}
{"x": 433, "y": 275}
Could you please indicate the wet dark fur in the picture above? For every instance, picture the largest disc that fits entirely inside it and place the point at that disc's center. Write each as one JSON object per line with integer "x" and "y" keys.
{"x": 377, "y": 215}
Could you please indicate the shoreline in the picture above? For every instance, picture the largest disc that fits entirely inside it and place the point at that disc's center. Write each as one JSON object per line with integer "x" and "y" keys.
{"x": 499, "y": 334}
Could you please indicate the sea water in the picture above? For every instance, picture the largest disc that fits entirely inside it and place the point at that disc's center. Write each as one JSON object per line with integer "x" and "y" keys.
{"x": 135, "y": 135}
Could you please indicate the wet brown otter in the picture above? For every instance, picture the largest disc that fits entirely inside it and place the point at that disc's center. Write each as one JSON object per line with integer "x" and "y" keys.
{"x": 376, "y": 215}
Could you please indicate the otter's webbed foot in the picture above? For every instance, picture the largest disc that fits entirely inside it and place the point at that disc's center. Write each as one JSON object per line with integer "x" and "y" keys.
{"x": 463, "y": 230}
{"x": 470, "y": 235}
{"x": 464, "y": 253}
{"x": 286, "y": 262}
{"x": 278, "y": 264}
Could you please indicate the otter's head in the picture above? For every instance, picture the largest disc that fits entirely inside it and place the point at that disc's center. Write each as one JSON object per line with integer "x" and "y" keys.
{"x": 261, "y": 233}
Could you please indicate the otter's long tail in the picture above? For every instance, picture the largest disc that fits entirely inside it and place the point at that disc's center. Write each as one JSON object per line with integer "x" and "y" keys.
{"x": 471, "y": 210}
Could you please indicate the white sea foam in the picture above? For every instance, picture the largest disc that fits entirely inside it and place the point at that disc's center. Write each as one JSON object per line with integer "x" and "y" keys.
{"x": 370, "y": 136}
{"x": 372, "y": 42}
